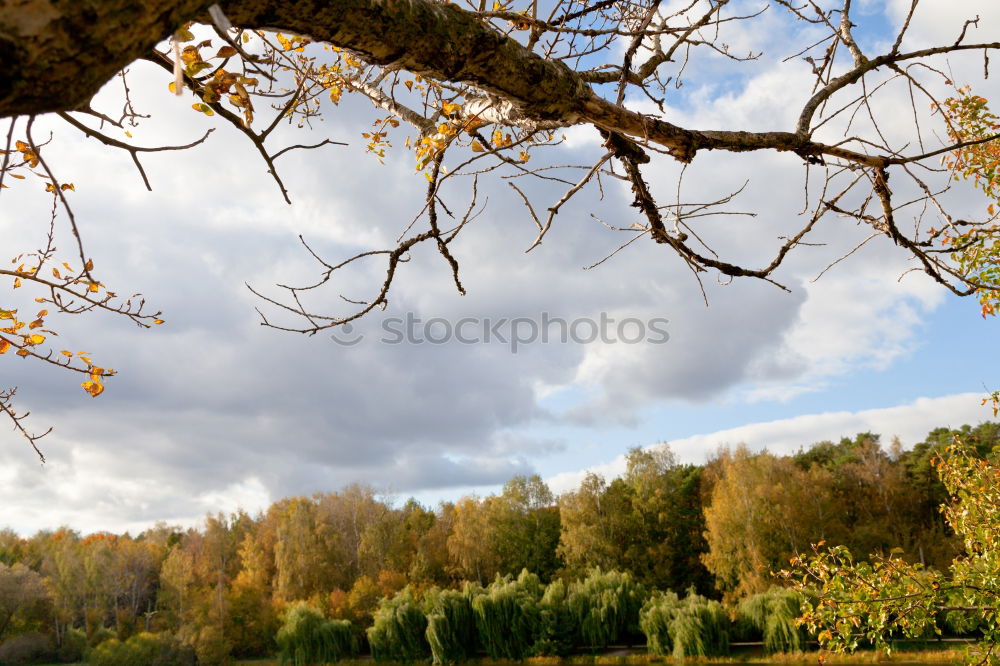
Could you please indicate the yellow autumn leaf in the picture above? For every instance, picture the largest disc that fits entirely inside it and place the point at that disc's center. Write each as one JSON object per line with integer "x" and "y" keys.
{"x": 478, "y": 147}
{"x": 35, "y": 339}
{"x": 93, "y": 388}
{"x": 67, "y": 354}
{"x": 17, "y": 282}
{"x": 7, "y": 314}
{"x": 4, "y": 346}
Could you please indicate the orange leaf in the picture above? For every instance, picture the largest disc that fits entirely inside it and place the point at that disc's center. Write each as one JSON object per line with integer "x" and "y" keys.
{"x": 93, "y": 388}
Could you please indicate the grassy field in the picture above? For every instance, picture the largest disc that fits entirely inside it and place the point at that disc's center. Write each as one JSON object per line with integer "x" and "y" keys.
{"x": 951, "y": 654}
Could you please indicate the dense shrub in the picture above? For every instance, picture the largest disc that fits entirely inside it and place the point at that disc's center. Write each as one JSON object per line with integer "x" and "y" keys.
{"x": 74, "y": 646}
{"x": 98, "y": 634}
{"x": 507, "y": 616}
{"x": 399, "y": 629}
{"x": 306, "y": 637}
{"x": 451, "y": 626}
{"x": 689, "y": 627}
{"x": 606, "y": 607}
{"x": 141, "y": 650}
{"x": 30, "y": 648}
{"x": 771, "y": 617}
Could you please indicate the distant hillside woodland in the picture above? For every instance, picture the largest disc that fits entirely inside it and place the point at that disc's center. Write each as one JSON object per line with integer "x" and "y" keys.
{"x": 675, "y": 556}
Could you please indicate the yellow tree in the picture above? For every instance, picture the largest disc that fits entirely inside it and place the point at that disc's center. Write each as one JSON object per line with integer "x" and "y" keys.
{"x": 762, "y": 510}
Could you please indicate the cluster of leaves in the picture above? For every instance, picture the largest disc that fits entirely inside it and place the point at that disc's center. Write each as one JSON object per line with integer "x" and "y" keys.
{"x": 854, "y": 602}
{"x": 219, "y": 82}
{"x": 63, "y": 288}
{"x": 975, "y": 249}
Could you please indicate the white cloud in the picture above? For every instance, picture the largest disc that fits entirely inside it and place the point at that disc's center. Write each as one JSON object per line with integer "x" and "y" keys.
{"x": 212, "y": 412}
{"x": 910, "y": 422}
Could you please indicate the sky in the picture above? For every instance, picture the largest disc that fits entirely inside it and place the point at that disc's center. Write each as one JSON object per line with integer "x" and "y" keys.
{"x": 213, "y": 412}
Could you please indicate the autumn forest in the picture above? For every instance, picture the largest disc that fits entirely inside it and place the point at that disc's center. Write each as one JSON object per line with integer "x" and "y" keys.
{"x": 515, "y": 574}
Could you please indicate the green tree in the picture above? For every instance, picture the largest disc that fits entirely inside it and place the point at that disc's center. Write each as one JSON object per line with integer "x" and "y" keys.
{"x": 592, "y": 525}
{"x": 306, "y": 637}
{"x": 399, "y": 630}
{"x": 508, "y": 616}
{"x": 526, "y": 520}
{"x": 874, "y": 600}
{"x": 21, "y": 596}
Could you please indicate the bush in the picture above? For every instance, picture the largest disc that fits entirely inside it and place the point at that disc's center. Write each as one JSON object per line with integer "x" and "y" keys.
{"x": 606, "y": 607}
{"x": 141, "y": 650}
{"x": 451, "y": 626}
{"x": 771, "y": 615}
{"x": 399, "y": 630}
{"x": 28, "y": 648}
{"x": 210, "y": 646}
{"x": 74, "y": 646}
{"x": 507, "y": 616}
{"x": 306, "y": 637}
{"x": 98, "y": 634}
{"x": 692, "y": 627}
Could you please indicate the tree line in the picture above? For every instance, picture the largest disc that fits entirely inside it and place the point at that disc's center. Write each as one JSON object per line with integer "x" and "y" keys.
{"x": 683, "y": 536}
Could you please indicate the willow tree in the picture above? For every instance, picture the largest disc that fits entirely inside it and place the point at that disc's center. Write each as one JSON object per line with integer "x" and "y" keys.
{"x": 490, "y": 85}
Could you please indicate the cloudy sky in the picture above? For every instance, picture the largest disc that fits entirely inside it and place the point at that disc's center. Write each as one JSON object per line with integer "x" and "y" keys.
{"x": 212, "y": 412}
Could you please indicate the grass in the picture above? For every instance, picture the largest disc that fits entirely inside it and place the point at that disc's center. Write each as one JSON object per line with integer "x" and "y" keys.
{"x": 948, "y": 655}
